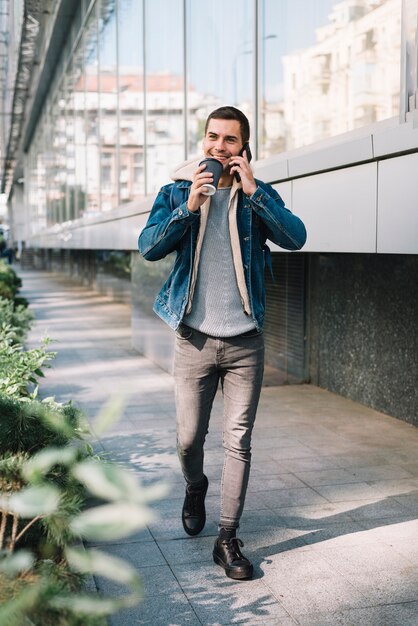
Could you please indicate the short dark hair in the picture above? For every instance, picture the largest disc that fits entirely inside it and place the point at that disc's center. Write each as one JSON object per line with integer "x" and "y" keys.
{"x": 231, "y": 113}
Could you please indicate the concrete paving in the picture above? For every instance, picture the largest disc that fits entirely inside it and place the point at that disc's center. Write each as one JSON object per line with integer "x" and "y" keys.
{"x": 331, "y": 514}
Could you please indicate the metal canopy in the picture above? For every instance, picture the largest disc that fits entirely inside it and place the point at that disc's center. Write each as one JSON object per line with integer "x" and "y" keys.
{"x": 35, "y": 15}
{"x": 27, "y": 48}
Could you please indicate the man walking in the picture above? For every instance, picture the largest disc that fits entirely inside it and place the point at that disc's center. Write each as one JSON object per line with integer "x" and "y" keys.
{"x": 214, "y": 299}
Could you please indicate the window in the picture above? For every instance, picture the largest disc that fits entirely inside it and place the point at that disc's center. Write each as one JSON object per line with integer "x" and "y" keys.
{"x": 320, "y": 56}
{"x": 131, "y": 95}
{"x": 108, "y": 102}
{"x": 164, "y": 90}
{"x": 220, "y": 61}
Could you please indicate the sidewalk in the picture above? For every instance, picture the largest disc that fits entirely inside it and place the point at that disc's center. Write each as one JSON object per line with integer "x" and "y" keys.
{"x": 331, "y": 513}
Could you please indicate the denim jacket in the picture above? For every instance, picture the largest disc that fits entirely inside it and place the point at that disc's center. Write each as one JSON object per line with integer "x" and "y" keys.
{"x": 172, "y": 228}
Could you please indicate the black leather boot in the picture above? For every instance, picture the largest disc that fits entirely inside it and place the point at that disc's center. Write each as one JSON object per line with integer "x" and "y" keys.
{"x": 227, "y": 554}
{"x": 193, "y": 514}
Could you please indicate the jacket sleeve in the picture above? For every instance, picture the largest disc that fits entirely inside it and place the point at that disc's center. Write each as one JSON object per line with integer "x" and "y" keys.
{"x": 282, "y": 227}
{"x": 165, "y": 227}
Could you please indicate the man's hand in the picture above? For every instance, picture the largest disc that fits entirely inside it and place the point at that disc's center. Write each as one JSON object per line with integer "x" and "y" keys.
{"x": 196, "y": 197}
{"x": 241, "y": 165}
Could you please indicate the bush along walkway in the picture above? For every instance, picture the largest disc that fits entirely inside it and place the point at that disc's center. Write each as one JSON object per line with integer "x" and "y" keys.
{"x": 330, "y": 521}
{"x": 48, "y": 474}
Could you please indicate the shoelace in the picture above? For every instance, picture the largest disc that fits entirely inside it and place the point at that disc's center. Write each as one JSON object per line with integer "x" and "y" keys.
{"x": 194, "y": 504}
{"x": 233, "y": 547}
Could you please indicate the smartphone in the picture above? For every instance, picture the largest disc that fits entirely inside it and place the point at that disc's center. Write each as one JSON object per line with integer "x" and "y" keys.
{"x": 246, "y": 149}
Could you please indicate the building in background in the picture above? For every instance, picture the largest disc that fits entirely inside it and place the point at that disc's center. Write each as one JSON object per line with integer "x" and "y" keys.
{"x": 101, "y": 99}
{"x": 349, "y": 78}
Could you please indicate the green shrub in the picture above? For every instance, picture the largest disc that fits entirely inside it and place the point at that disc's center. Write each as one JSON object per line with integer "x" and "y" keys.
{"x": 9, "y": 280}
{"x": 21, "y": 301}
{"x": 6, "y": 291}
{"x": 28, "y": 598}
{"x": 46, "y": 502}
{"x": 19, "y": 368}
{"x": 47, "y": 475}
{"x": 32, "y": 425}
{"x": 17, "y": 316}
{"x": 45, "y": 534}
{"x": 11, "y": 477}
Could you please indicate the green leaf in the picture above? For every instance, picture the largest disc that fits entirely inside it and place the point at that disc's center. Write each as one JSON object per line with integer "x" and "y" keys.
{"x": 94, "y": 605}
{"x": 111, "y": 521}
{"x": 57, "y": 421}
{"x": 109, "y": 414}
{"x": 16, "y": 563}
{"x": 105, "y": 480}
{"x": 14, "y": 612}
{"x": 33, "y": 501}
{"x": 43, "y": 461}
{"x": 111, "y": 482}
{"x": 96, "y": 562}
{"x": 153, "y": 492}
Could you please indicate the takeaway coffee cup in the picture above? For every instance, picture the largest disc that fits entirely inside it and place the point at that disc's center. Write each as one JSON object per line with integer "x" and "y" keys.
{"x": 215, "y": 167}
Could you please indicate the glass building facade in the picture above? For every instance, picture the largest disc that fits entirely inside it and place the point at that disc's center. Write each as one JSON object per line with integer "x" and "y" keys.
{"x": 137, "y": 79}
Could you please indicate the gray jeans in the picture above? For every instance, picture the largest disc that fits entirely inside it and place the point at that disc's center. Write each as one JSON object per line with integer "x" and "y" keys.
{"x": 200, "y": 362}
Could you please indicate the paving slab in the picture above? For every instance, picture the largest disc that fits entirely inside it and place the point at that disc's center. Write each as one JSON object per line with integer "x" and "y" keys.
{"x": 305, "y": 582}
{"x": 227, "y": 601}
{"x": 404, "y": 614}
{"x": 331, "y": 521}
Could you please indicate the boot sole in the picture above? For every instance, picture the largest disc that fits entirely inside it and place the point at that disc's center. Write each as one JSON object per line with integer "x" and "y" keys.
{"x": 234, "y": 573}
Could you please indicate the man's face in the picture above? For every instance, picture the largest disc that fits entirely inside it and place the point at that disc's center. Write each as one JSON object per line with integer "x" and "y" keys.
{"x": 222, "y": 140}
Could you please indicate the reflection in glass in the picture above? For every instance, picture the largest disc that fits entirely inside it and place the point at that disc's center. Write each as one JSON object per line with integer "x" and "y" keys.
{"x": 57, "y": 162}
{"x": 70, "y": 196}
{"x": 35, "y": 185}
{"x": 335, "y": 70}
{"x": 325, "y": 67}
{"x": 89, "y": 109}
{"x": 131, "y": 100}
{"x": 164, "y": 90}
{"x": 220, "y": 61}
{"x": 410, "y": 25}
{"x": 40, "y": 221}
{"x": 108, "y": 101}
{"x": 45, "y": 127}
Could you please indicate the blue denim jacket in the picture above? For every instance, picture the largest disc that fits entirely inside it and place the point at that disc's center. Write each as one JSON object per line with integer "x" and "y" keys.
{"x": 172, "y": 228}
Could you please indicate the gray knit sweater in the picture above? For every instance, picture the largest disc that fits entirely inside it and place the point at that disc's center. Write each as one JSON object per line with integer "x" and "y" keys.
{"x": 217, "y": 309}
